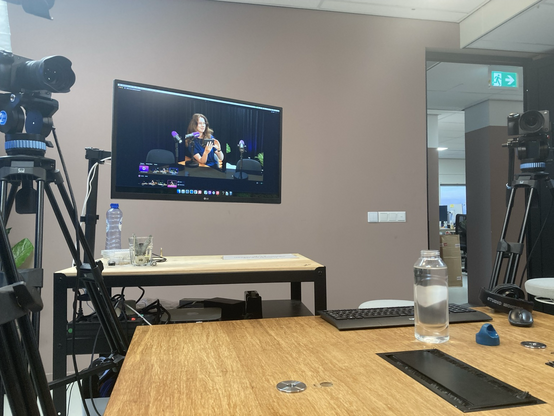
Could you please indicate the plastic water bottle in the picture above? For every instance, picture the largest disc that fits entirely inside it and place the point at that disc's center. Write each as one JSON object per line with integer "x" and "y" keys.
{"x": 431, "y": 298}
{"x": 114, "y": 216}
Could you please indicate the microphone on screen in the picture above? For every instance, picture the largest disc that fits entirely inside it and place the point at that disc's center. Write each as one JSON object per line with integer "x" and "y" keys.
{"x": 176, "y": 137}
{"x": 191, "y": 135}
{"x": 242, "y": 146}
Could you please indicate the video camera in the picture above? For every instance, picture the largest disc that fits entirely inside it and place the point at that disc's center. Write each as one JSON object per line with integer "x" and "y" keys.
{"x": 28, "y": 103}
{"x": 533, "y": 144}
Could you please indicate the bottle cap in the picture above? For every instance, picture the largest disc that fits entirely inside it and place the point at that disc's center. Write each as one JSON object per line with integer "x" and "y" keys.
{"x": 487, "y": 335}
{"x": 429, "y": 253}
{"x": 115, "y": 206}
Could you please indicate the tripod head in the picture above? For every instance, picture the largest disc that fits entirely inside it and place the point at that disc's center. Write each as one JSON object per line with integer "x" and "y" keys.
{"x": 533, "y": 144}
{"x": 33, "y": 111}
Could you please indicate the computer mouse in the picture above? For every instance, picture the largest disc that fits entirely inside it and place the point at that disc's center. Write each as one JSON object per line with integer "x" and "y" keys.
{"x": 520, "y": 317}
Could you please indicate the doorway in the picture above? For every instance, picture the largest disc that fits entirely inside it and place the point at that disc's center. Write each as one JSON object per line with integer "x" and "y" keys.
{"x": 462, "y": 100}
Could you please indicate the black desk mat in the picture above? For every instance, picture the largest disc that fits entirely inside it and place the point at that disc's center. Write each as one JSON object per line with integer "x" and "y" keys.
{"x": 460, "y": 384}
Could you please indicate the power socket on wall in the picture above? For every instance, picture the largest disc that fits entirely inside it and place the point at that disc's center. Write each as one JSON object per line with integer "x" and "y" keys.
{"x": 386, "y": 216}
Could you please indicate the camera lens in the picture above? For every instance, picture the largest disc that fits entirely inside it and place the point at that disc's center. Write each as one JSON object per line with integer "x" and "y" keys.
{"x": 53, "y": 74}
{"x": 531, "y": 122}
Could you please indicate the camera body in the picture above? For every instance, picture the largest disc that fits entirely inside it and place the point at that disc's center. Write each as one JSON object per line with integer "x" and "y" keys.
{"x": 533, "y": 141}
{"x": 27, "y": 104}
{"x": 529, "y": 123}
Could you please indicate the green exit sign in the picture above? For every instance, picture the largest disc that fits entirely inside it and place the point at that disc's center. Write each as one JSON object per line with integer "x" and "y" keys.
{"x": 504, "y": 79}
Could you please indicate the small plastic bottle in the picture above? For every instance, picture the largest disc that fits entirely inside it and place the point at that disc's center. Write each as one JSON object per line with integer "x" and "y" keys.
{"x": 431, "y": 298}
{"x": 114, "y": 218}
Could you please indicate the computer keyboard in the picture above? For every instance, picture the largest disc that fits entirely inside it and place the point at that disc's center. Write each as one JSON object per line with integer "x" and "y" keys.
{"x": 344, "y": 319}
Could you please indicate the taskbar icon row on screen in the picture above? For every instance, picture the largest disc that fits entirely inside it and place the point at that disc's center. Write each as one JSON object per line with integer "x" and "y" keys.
{"x": 204, "y": 192}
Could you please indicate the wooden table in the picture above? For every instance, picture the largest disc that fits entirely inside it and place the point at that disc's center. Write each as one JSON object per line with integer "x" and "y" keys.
{"x": 233, "y": 367}
{"x": 185, "y": 271}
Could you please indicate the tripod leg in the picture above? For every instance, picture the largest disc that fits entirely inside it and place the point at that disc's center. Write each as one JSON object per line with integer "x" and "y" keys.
{"x": 39, "y": 232}
{"x": 104, "y": 308}
{"x": 502, "y": 245}
{"x": 9, "y": 368}
{"x": 37, "y": 369}
{"x": 15, "y": 377}
{"x": 3, "y": 191}
{"x": 96, "y": 288}
{"x": 7, "y": 204}
{"x": 514, "y": 259}
{"x": 97, "y": 294}
{"x": 39, "y": 224}
{"x": 26, "y": 338}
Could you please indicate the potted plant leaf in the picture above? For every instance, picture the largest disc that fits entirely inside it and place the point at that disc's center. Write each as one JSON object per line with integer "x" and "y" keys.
{"x": 21, "y": 250}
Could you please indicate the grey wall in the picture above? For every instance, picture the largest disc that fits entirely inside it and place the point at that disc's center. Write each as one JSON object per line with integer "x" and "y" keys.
{"x": 486, "y": 178}
{"x": 353, "y": 93}
{"x": 433, "y": 184}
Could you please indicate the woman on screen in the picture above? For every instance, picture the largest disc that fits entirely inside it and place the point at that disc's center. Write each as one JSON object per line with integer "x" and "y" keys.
{"x": 203, "y": 147}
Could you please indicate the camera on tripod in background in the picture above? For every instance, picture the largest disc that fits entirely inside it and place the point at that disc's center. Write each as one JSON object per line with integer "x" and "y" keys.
{"x": 533, "y": 146}
{"x": 534, "y": 142}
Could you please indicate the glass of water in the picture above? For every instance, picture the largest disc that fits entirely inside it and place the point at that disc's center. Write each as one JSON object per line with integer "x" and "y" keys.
{"x": 140, "y": 250}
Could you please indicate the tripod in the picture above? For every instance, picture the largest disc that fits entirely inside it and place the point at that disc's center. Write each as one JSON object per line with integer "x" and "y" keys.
{"x": 15, "y": 170}
{"x": 512, "y": 251}
{"x": 24, "y": 167}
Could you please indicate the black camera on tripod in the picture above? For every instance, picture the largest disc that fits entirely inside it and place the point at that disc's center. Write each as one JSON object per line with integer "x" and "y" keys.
{"x": 533, "y": 144}
{"x": 529, "y": 123}
{"x": 30, "y": 105}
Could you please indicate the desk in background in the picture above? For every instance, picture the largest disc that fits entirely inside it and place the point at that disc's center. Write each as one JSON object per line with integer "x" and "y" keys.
{"x": 233, "y": 367}
{"x": 204, "y": 171}
{"x": 186, "y": 271}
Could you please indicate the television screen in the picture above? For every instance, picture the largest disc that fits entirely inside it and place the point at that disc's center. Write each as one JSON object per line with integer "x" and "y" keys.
{"x": 169, "y": 144}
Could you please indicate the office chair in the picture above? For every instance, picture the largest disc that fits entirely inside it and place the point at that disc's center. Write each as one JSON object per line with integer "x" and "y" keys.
{"x": 541, "y": 291}
{"x": 461, "y": 231}
{"x": 249, "y": 166}
{"x": 160, "y": 156}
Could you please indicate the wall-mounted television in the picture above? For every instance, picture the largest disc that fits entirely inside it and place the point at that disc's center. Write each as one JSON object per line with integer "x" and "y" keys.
{"x": 169, "y": 144}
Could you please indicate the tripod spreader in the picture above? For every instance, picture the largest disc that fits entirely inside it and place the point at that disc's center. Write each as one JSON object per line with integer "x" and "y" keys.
{"x": 17, "y": 300}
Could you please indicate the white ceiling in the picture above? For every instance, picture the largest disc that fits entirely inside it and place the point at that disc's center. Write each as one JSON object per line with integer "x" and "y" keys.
{"x": 453, "y": 87}
{"x": 441, "y": 10}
